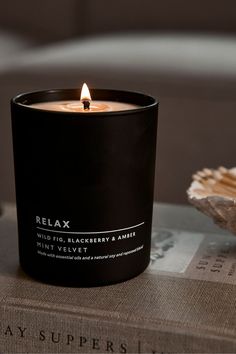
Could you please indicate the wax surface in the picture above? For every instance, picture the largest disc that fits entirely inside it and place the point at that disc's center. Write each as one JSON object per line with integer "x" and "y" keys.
{"x": 77, "y": 106}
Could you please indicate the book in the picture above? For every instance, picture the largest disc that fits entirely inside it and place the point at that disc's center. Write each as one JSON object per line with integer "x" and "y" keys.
{"x": 185, "y": 301}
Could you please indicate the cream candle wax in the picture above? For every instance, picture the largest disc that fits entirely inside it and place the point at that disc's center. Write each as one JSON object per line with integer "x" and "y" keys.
{"x": 85, "y": 104}
{"x": 77, "y": 106}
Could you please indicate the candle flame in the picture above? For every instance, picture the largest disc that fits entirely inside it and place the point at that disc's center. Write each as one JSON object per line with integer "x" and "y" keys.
{"x": 85, "y": 94}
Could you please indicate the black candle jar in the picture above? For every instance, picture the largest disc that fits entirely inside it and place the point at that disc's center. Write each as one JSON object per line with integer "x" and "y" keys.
{"x": 84, "y": 188}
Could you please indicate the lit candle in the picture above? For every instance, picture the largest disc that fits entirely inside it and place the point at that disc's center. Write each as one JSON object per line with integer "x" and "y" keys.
{"x": 85, "y": 104}
{"x": 84, "y": 173}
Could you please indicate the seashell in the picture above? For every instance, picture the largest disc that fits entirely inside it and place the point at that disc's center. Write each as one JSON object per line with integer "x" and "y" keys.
{"x": 213, "y": 192}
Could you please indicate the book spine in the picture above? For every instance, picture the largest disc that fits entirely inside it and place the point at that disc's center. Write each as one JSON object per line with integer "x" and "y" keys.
{"x": 32, "y": 330}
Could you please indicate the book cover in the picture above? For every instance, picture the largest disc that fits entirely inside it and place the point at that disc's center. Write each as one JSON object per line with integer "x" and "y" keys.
{"x": 185, "y": 302}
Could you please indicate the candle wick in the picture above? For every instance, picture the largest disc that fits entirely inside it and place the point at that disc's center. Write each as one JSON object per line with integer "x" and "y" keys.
{"x": 86, "y": 104}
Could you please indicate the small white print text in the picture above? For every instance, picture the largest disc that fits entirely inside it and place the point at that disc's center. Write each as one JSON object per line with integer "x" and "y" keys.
{"x": 55, "y": 238}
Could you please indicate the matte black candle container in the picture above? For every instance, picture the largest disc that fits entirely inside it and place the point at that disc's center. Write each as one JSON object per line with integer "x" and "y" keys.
{"x": 84, "y": 188}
